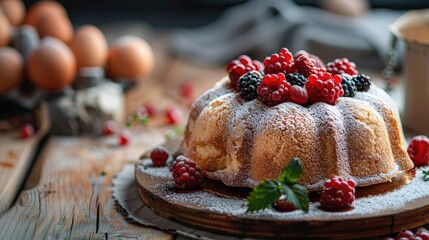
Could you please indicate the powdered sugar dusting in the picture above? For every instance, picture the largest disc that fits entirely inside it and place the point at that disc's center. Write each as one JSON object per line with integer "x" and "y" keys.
{"x": 388, "y": 203}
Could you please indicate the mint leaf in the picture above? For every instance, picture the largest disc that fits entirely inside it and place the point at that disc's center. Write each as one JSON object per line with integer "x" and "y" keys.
{"x": 297, "y": 196}
{"x": 262, "y": 196}
{"x": 292, "y": 172}
{"x": 426, "y": 175}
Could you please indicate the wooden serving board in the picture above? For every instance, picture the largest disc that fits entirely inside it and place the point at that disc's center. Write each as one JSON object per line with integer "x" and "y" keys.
{"x": 402, "y": 206}
{"x": 16, "y": 155}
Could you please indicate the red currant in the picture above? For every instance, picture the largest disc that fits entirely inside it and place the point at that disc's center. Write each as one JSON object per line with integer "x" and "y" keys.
{"x": 282, "y": 205}
{"x": 27, "y": 130}
{"x": 187, "y": 90}
{"x": 173, "y": 116}
{"x": 151, "y": 109}
{"x": 124, "y": 138}
{"x": 418, "y": 150}
{"x": 109, "y": 127}
{"x": 298, "y": 95}
{"x": 159, "y": 156}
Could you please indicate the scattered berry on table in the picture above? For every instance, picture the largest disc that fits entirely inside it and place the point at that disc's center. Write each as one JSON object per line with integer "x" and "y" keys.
{"x": 307, "y": 66}
{"x": 238, "y": 67}
{"x": 324, "y": 89}
{"x": 296, "y": 79}
{"x": 418, "y": 150}
{"x": 318, "y": 61}
{"x": 159, "y": 156}
{"x": 407, "y": 234}
{"x": 422, "y": 235}
{"x": 151, "y": 109}
{"x": 248, "y": 85}
{"x": 173, "y": 116}
{"x": 142, "y": 113}
{"x": 362, "y": 82}
{"x": 125, "y": 138}
{"x": 282, "y": 205}
{"x": 298, "y": 95}
{"x": 186, "y": 173}
{"x": 281, "y": 62}
{"x": 274, "y": 89}
{"x": 337, "y": 194}
{"x": 27, "y": 130}
{"x": 348, "y": 85}
{"x": 187, "y": 90}
{"x": 340, "y": 66}
{"x": 109, "y": 127}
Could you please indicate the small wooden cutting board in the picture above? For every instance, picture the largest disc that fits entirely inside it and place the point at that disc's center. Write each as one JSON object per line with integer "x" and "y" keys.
{"x": 16, "y": 155}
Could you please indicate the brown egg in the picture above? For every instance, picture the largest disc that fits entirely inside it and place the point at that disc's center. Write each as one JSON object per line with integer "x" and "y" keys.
{"x": 89, "y": 46}
{"x": 42, "y": 7}
{"x": 5, "y": 30}
{"x": 11, "y": 68}
{"x": 130, "y": 57}
{"x": 51, "y": 66}
{"x": 50, "y": 19}
{"x": 14, "y": 11}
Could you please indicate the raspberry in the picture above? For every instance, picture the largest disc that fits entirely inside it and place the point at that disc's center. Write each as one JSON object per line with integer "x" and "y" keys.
{"x": 422, "y": 235}
{"x": 348, "y": 85}
{"x": 325, "y": 89}
{"x": 405, "y": 234}
{"x": 274, "y": 89}
{"x": 186, "y": 173}
{"x": 337, "y": 194}
{"x": 240, "y": 66}
{"x": 281, "y": 62}
{"x": 362, "y": 82}
{"x": 319, "y": 62}
{"x": 159, "y": 156}
{"x": 418, "y": 150}
{"x": 27, "y": 130}
{"x": 282, "y": 205}
{"x": 248, "y": 85}
{"x": 173, "y": 116}
{"x": 124, "y": 138}
{"x": 109, "y": 127}
{"x": 340, "y": 66}
{"x": 296, "y": 79}
{"x": 307, "y": 66}
{"x": 298, "y": 95}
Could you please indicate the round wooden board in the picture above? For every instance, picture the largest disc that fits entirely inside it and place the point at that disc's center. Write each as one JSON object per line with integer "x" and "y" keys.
{"x": 157, "y": 191}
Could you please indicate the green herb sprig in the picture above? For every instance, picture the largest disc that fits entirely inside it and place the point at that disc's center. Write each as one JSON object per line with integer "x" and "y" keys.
{"x": 266, "y": 193}
{"x": 425, "y": 175}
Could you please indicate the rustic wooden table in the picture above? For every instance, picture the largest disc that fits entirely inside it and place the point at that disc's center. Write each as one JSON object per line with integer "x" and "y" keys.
{"x": 67, "y": 193}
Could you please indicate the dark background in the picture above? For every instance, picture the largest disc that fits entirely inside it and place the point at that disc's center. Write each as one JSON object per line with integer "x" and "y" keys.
{"x": 179, "y": 13}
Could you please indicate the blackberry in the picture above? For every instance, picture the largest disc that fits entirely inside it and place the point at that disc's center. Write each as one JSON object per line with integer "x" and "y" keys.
{"x": 349, "y": 85}
{"x": 248, "y": 85}
{"x": 296, "y": 79}
{"x": 362, "y": 82}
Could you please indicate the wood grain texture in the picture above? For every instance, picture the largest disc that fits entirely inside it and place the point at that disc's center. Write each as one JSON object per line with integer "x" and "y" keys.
{"x": 72, "y": 198}
{"x": 156, "y": 193}
{"x": 16, "y": 155}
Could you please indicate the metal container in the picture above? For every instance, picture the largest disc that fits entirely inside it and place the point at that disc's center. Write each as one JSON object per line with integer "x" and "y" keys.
{"x": 413, "y": 29}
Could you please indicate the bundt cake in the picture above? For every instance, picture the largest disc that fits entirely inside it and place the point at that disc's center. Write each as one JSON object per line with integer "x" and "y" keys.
{"x": 242, "y": 142}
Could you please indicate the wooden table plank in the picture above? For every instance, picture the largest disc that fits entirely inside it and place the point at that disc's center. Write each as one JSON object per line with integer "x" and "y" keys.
{"x": 73, "y": 196}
